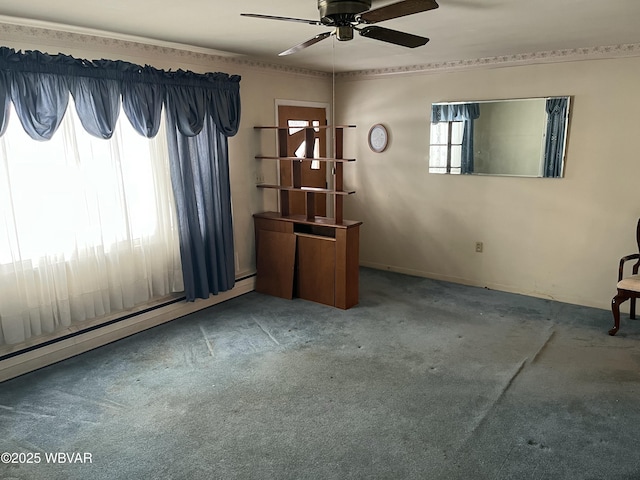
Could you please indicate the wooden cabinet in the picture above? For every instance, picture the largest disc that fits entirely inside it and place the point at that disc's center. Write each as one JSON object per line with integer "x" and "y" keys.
{"x": 315, "y": 260}
{"x": 305, "y": 255}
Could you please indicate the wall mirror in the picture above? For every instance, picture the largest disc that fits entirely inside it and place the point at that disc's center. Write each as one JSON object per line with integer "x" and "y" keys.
{"x": 519, "y": 137}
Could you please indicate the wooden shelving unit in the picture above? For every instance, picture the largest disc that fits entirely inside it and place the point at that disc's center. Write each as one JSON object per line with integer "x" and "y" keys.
{"x": 308, "y": 256}
{"x": 338, "y": 162}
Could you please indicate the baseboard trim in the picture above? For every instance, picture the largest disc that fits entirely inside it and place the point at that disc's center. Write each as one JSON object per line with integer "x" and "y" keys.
{"x": 41, "y": 357}
{"x": 490, "y": 285}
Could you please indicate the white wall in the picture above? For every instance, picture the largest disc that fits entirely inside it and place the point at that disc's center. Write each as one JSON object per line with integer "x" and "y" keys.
{"x": 553, "y": 238}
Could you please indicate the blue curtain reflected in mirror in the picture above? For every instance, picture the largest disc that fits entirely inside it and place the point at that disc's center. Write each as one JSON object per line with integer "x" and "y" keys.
{"x": 555, "y": 138}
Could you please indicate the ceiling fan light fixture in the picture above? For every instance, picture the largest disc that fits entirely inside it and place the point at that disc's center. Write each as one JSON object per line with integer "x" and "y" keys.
{"x": 344, "y": 33}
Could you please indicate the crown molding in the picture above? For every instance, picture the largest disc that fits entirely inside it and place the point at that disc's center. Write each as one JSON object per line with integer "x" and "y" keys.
{"x": 550, "y": 56}
{"x": 53, "y": 35}
{"x": 36, "y": 32}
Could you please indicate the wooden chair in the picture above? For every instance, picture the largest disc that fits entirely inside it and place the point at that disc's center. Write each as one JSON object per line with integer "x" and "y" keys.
{"x": 628, "y": 287}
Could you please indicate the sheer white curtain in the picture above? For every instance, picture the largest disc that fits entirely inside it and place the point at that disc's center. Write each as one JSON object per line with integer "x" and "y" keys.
{"x": 87, "y": 227}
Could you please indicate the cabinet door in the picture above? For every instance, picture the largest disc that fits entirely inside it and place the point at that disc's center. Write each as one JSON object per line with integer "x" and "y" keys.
{"x": 316, "y": 267}
{"x": 275, "y": 263}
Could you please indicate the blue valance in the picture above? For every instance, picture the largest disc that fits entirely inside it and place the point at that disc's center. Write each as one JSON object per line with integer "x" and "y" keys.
{"x": 39, "y": 85}
{"x": 454, "y": 112}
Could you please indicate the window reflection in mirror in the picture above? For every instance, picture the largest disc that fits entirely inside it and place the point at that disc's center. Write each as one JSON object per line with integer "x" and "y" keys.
{"x": 520, "y": 137}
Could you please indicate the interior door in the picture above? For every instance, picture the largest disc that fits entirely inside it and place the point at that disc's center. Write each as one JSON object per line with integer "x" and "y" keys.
{"x": 314, "y": 174}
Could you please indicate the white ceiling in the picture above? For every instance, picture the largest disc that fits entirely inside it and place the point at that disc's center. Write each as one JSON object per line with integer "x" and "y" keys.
{"x": 459, "y": 29}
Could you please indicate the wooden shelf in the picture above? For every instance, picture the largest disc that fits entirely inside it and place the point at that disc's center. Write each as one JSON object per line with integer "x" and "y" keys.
{"x": 301, "y": 219}
{"x": 306, "y": 189}
{"x": 316, "y": 159}
{"x": 292, "y": 182}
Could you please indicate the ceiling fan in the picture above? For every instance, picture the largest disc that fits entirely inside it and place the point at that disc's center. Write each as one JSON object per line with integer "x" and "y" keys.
{"x": 349, "y": 15}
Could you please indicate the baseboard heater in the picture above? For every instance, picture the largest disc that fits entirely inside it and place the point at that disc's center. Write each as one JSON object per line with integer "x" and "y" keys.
{"x": 37, "y": 356}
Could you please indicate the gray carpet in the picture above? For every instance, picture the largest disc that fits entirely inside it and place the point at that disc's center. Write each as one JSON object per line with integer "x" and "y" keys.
{"x": 422, "y": 380}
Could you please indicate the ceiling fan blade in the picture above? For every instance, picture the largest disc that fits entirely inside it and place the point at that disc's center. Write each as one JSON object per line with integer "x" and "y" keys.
{"x": 393, "y": 36}
{"x": 286, "y": 19}
{"x": 398, "y": 9}
{"x": 308, "y": 43}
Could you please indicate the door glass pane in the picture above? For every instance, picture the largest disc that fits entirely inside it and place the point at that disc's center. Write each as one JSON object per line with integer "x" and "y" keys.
{"x": 300, "y": 151}
{"x": 315, "y": 165}
{"x": 294, "y": 125}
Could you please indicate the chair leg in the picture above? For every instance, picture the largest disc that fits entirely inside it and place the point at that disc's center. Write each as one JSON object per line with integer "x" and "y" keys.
{"x": 632, "y": 311}
{"x": 615, "y": 309}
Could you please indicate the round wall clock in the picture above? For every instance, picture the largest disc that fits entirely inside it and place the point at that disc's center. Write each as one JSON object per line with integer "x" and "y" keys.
{"x": 378, "y": 138}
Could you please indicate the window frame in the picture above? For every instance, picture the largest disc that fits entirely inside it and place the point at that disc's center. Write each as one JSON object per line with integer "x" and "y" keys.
{"x": 449, "y": 148}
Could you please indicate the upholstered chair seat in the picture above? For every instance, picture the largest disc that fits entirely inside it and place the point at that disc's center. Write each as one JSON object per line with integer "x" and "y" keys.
{"x": 628, "y": 286}
{"x": 631, "y": 283}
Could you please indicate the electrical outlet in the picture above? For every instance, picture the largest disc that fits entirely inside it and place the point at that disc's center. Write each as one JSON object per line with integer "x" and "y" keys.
{"x": 259, "y": 178}
{"x": 479, "y": 247}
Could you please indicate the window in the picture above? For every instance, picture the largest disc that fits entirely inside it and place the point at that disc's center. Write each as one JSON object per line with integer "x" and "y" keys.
{"x": 78, "y": 188}
{"x": 87, "y": 226}
{"x": 204, "y": 112}
{"x": 445, "y": 150}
